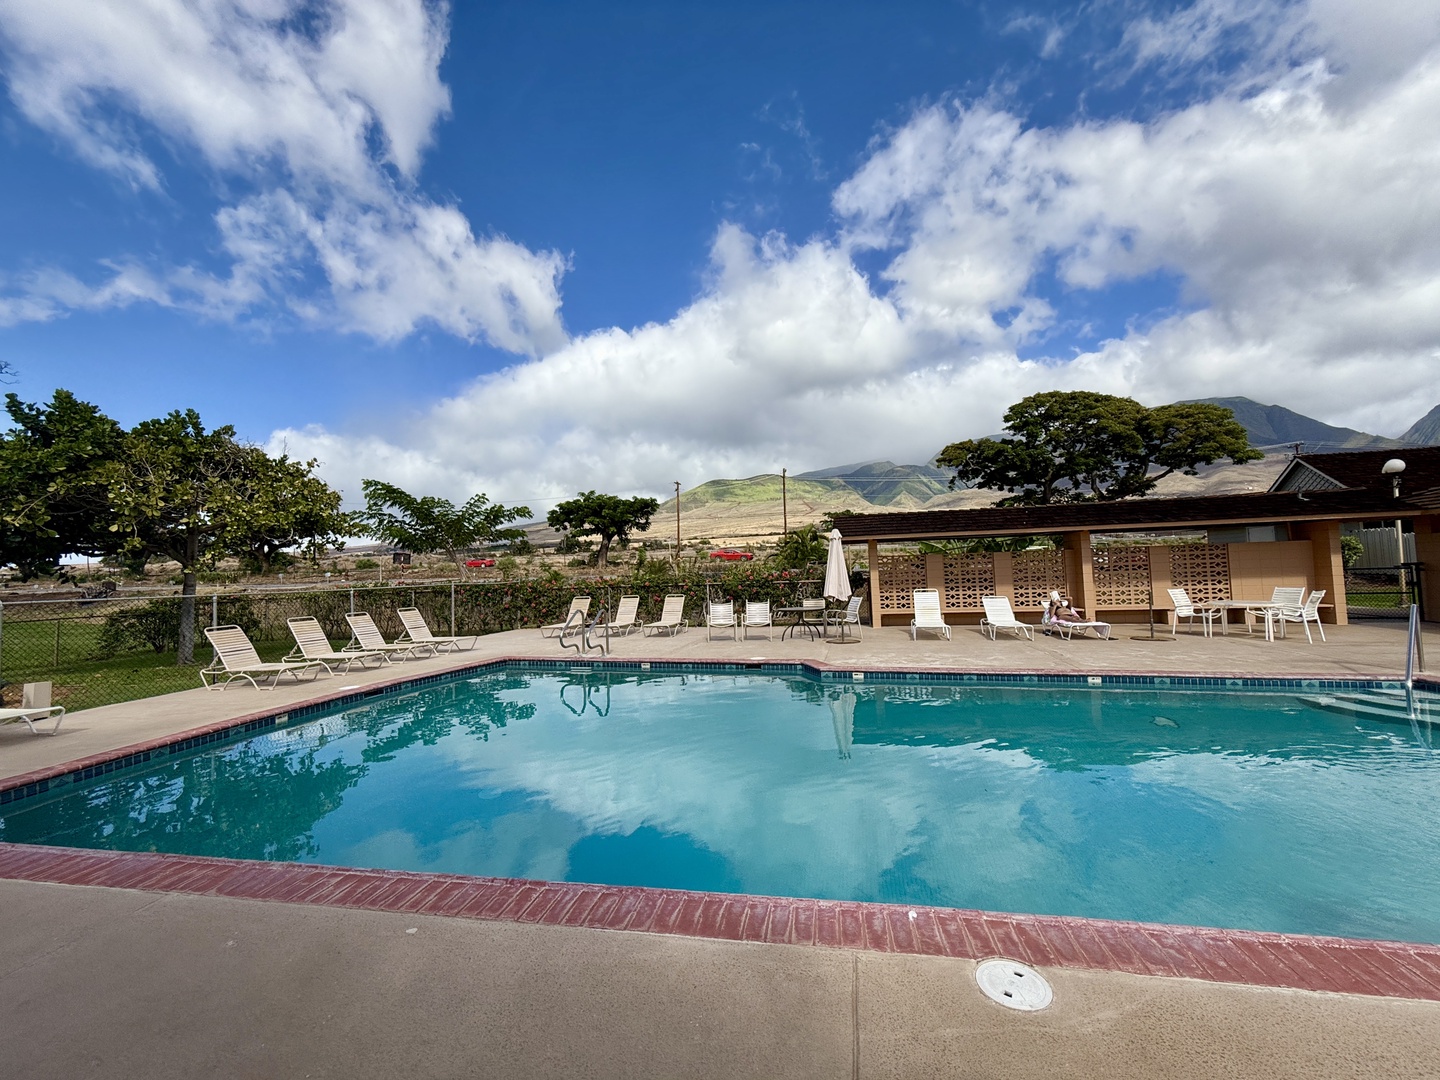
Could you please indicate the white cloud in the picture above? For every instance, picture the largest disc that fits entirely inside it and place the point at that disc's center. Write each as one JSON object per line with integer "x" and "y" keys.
{"x": 325, "y": 110}
{"x": 1302, "y": 223}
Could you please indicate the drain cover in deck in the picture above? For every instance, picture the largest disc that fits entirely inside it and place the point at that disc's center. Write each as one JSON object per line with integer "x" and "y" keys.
{"x": 1013, "y": 985}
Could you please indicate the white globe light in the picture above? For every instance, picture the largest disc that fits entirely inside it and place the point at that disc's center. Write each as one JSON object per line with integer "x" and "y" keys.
{"x": 1394, "y": 465}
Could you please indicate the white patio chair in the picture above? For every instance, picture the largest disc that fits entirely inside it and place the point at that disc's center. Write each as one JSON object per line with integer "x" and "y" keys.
{"x": 757, "y": 614}
{"x": 417, "y": 630}
{"x": 236, "y": 658}
{"x": 35, "y": 706}
{"x": 672, "y": 616}
{"x": 1285, "y": 596}
{"x": 1186, "y": 609}
{"x": 928, "y": 615}
{"x": 312, "y": 644}
{"x": 580, "y": 604}
{"x": 1304, "y": 614}
{"x": 626, "y": 617}
{"x": 848, "y": 617}
{"x": 720, "y": 615}
{"x": 999, "y": 615}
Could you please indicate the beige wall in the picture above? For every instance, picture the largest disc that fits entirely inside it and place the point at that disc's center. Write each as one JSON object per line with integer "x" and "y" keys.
{"x": 1255, "y": 571}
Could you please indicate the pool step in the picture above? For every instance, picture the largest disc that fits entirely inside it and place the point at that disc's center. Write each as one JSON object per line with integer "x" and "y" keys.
{"x": 1388, "y": 706}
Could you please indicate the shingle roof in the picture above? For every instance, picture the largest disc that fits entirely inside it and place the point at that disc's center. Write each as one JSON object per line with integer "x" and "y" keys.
{"x": 1361, "y": 469}
{"x": 1348, "y": 504}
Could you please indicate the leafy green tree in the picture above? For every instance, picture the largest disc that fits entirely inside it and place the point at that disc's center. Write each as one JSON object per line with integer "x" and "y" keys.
{"x": 427, "y": 524}
{"x": 1074, "y": 446}
{"x": 53, "y": 496}
{"x": 800, "y": 548}
{"x": 291, "y": 508}
{"x": 194, "y": 495}
{"x": 606, "y": 517}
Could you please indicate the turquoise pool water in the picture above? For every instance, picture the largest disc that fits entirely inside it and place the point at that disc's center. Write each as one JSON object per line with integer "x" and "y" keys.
{"x": 1259, "y": 810}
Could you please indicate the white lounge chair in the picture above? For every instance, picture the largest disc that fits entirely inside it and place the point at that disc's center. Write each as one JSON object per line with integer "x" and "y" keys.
{"x": 417, "y": 630}
{"x": 236, "y": 658}
{"x": 672, "y": 616}
{"x": 999, "y": 615}
{"x": 1304, "y": 614}
{"x": 849, "y": 617}
{"x": 35, "y": 705}
{"x": 757, "y": 614}
{"x": 927, "y": 614}
{"x": 626, "y": 618}
{"x": 312, "y": 644}
{"x": 1185, "y": 609}
{"x": 720, "y": 615}
{"x": 1067, "y": 628}
{"x": 1282, "y": 596}
{"x": 368, "y": 636}
{"x": 580, "y": 604}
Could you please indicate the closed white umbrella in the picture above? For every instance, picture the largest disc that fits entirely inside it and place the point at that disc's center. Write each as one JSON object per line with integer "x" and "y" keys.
{"x": 837, "y": 577}
{"x": 842, "y": 715}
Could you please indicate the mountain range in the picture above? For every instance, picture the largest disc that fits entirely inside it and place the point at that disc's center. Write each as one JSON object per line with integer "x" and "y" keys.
{"x": 733, "y": 510}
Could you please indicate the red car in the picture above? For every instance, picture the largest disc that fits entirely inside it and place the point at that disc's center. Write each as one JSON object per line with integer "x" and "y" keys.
{"x": 731, "y": 555}
{"x": 479, "y": 562}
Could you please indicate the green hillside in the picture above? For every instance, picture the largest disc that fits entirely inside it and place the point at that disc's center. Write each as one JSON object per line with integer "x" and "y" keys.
{"x": 884, "y": 483}
{"x": 755, "y": 489}
{"x": 1275, "y": 425}
{"x": 1425, "y": 431}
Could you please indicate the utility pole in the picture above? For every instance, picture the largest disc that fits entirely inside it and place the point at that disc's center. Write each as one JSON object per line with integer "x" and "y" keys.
{"x": 677, "y": 524}
{"x": 784, "y": 504}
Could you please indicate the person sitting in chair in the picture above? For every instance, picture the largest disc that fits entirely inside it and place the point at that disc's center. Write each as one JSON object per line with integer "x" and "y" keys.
{"x": 1060, "y": 610}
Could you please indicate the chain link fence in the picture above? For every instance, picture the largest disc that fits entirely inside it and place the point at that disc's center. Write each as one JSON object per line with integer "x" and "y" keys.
{"x": 119, "y": 648}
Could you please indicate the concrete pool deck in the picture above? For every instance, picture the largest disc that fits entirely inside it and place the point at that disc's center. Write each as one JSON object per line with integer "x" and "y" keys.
{"x": 99, "y": 977}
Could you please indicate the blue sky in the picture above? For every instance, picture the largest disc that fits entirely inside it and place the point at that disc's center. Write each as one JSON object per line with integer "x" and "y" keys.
{"x": 530, "y": 248}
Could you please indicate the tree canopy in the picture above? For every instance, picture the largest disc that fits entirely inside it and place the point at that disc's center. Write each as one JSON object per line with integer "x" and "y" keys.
{"x": 607, "y": 517}
{"x": 194, "y": 495}
{"x": 53, "y": 500}
{"x": 427, "y": 524}
{"x": 1073, "y": 446}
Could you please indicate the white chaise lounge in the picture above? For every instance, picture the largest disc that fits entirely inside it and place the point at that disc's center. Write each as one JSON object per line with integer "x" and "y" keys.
{"x": 417, "y": 630}
{"x": 236, "y": 658}
{"x": 999, "y": 615}
{"x": 928, "y": 615}
{"x": 312, "y": 644}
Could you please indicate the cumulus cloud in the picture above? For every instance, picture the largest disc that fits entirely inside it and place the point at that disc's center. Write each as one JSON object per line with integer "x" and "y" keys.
{"x": 324, "y": 109}
{"x": 1298, "y": 216}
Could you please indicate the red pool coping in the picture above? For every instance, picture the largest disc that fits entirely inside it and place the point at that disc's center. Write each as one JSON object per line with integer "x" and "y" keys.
{"x": 1288, "y": 961}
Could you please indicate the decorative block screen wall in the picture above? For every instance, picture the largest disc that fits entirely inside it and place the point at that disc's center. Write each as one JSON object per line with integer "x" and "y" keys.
{"x": 967, "y": 578}
{"x": 1036, "y": 574}
{"x": 1122, "y": 576}
{"x": 1202, "y": 570}
{"x": 900, "y": 576}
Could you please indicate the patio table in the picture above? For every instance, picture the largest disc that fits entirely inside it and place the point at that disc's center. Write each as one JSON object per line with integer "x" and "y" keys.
{"x": 1226, "y": 606}
{"x": 797, "y": 620}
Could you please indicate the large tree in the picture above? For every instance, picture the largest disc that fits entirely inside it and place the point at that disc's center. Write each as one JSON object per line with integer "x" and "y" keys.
{"x": 194, "y": 495}
{"x": 1072, "y": 446}
{"x": 607, "y": 517}
{"x": 53, "y": 497}
{"x": 424, "y": 524}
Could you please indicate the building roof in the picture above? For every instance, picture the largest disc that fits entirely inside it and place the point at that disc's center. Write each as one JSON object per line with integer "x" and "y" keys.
{"x": 1360, "y": 470}
{"x": 1134, "y": 514}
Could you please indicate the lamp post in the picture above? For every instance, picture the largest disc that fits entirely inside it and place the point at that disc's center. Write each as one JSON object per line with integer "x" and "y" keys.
{"x": 1393, "y": 468}
{"x": 677, "y": 525}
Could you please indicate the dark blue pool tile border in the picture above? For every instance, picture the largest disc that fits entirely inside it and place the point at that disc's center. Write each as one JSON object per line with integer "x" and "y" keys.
{"x": 44, "y": 782}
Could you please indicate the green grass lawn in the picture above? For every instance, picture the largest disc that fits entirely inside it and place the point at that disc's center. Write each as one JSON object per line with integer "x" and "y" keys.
{"x": 1390, "y": 599}
{"x": 64, "y": 651}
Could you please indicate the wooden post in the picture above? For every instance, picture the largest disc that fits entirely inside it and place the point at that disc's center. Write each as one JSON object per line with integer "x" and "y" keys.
{"x": 677, "y": 525}
{"x": 873, "y": 555}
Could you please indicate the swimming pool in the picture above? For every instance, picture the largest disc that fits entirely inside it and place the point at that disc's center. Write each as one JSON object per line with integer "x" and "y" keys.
{"x": 1280, "y": 810}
